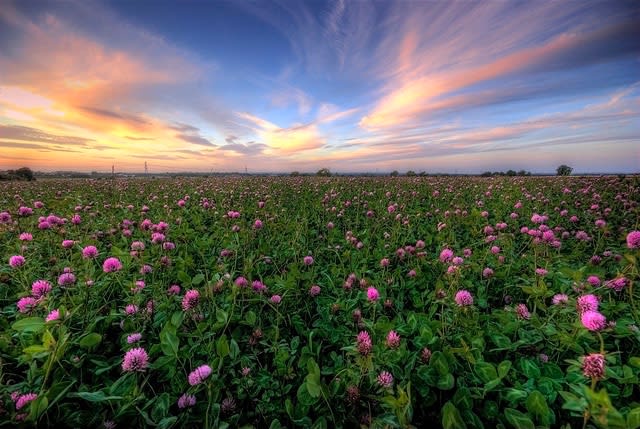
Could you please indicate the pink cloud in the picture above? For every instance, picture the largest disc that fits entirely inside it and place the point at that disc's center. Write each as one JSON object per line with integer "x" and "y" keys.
{"x": 428, "y": 67}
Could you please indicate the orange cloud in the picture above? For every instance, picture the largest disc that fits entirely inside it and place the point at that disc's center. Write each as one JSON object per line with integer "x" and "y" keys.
{"x": 409, "y": 94}
{"x": 284, "y": 141}
{"x": 57, "y": 72}
{"x": 63, "y": 82}
{"x": 75, "y": 70}
{"x": 297, "y": 138}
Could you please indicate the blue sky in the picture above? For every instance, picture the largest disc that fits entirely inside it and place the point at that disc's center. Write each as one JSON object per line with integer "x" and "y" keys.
{"x": 302, "y": 85}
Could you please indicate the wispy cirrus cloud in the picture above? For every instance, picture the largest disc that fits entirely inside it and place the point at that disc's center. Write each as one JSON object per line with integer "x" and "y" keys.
{"x": 338, "y": 36}
{"x": 292, "y": 96}
{"x": 541, "y": 136}
{"x": 22, "y": 133}
{"x": 135, "y": 119}
{"x": 138, "y": 138}
{"x": 11, "y": 144}
{"x": 341, "y": 84}
{"x": 248, "y": 149}
{"x": 184, "y": 128}
{"x": 195, "y": 139}
{"x": 410, "y": 96}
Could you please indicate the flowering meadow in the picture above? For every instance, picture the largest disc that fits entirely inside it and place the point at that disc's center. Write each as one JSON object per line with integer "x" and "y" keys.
{"x": 274, "y": 302}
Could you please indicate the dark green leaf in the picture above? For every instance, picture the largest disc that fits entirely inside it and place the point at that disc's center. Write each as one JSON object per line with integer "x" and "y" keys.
{"x": 39, "y": 406}
{"x": 167, "y": 422}
{"x": 321, "y": 423}
{"x": 123, "y": 385}
{"x": 184, "y": 278}
{"x": 439, "y": 362}
{"x": 304, "y": 397}
{"x": 472, "y": 419}
{"x": 313, "y": 368}
{"x": 518, "y": 419}
{"x": 578, "y": 405}
{"x": 462, "y": 398}
{"x": 90, "y": 341}
{"x": 222, "y": 347}
{"x": 160, "y": 407}
{"x": 515, "y": 395}
{"x": 30, "y": 324}
{"x": 169, "y": 341}
{"x": 537, "y": 406}
{"x": 503, "y": 368}
{"x": 221, "y": 316}
{"x": 288, "y": 406}
{"x": 234, "y": 349}
{"x": 250, "y": 318}
{"x": 446, "y": 382}
{"x": 502, "y": 341}
{"x": 176, "y": 318}
{"x": 98, "y": 396}
{"x": 486, "y": 371}
{"x": 633, "y": 418}
{"x": 530, "y": 369}
{"x": 451, "y": 418}
{"x": 275, "y": 424}
{"x": 312, "y": 381}
{"x": 197, "y": 279}
{"x": 492, "y": 384}
{"x": 35, "y": 349}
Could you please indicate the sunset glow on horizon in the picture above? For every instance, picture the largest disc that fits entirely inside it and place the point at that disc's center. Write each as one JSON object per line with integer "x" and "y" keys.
{"x": 353, "y": 86}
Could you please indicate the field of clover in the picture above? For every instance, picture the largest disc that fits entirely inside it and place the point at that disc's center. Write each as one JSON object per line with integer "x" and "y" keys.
{"x": 335, "y": 302}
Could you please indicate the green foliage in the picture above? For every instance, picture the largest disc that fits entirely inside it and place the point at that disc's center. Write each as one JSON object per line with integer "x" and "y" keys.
{"x": 564, "y": 170}
{"x": 295, "y": 362}
{"x": 23, "y": 173}
{"x": 451, "y": 418}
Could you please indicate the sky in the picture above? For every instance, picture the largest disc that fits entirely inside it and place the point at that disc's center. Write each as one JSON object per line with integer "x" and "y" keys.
{"x": 350, "y": 85}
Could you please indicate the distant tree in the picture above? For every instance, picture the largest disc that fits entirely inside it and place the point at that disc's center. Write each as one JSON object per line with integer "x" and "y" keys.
{"x": 564, "y": 170}
{"x": 24, "y": 173}
{"x": 486, "y": 174}
{"x": 295, "y": 174}
{"x": 411, "y": 173}
{"x": 511, "y": 172}
{"x": 422, "y": 174}
{"x": 394, "y": 173}
{"x": 324, "y": 172}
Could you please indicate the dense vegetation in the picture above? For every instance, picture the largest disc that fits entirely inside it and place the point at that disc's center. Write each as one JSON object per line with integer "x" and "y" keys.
{"x": 23, "y": 173}
{"x": 320, "y": 302}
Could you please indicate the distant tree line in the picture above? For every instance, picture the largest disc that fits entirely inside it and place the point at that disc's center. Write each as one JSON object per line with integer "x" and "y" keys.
{"x": 323, "y": 172}
{"x": 563, "y": 170}
{"x": 23, "y": 173}
{"x": 511, "y": 173}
